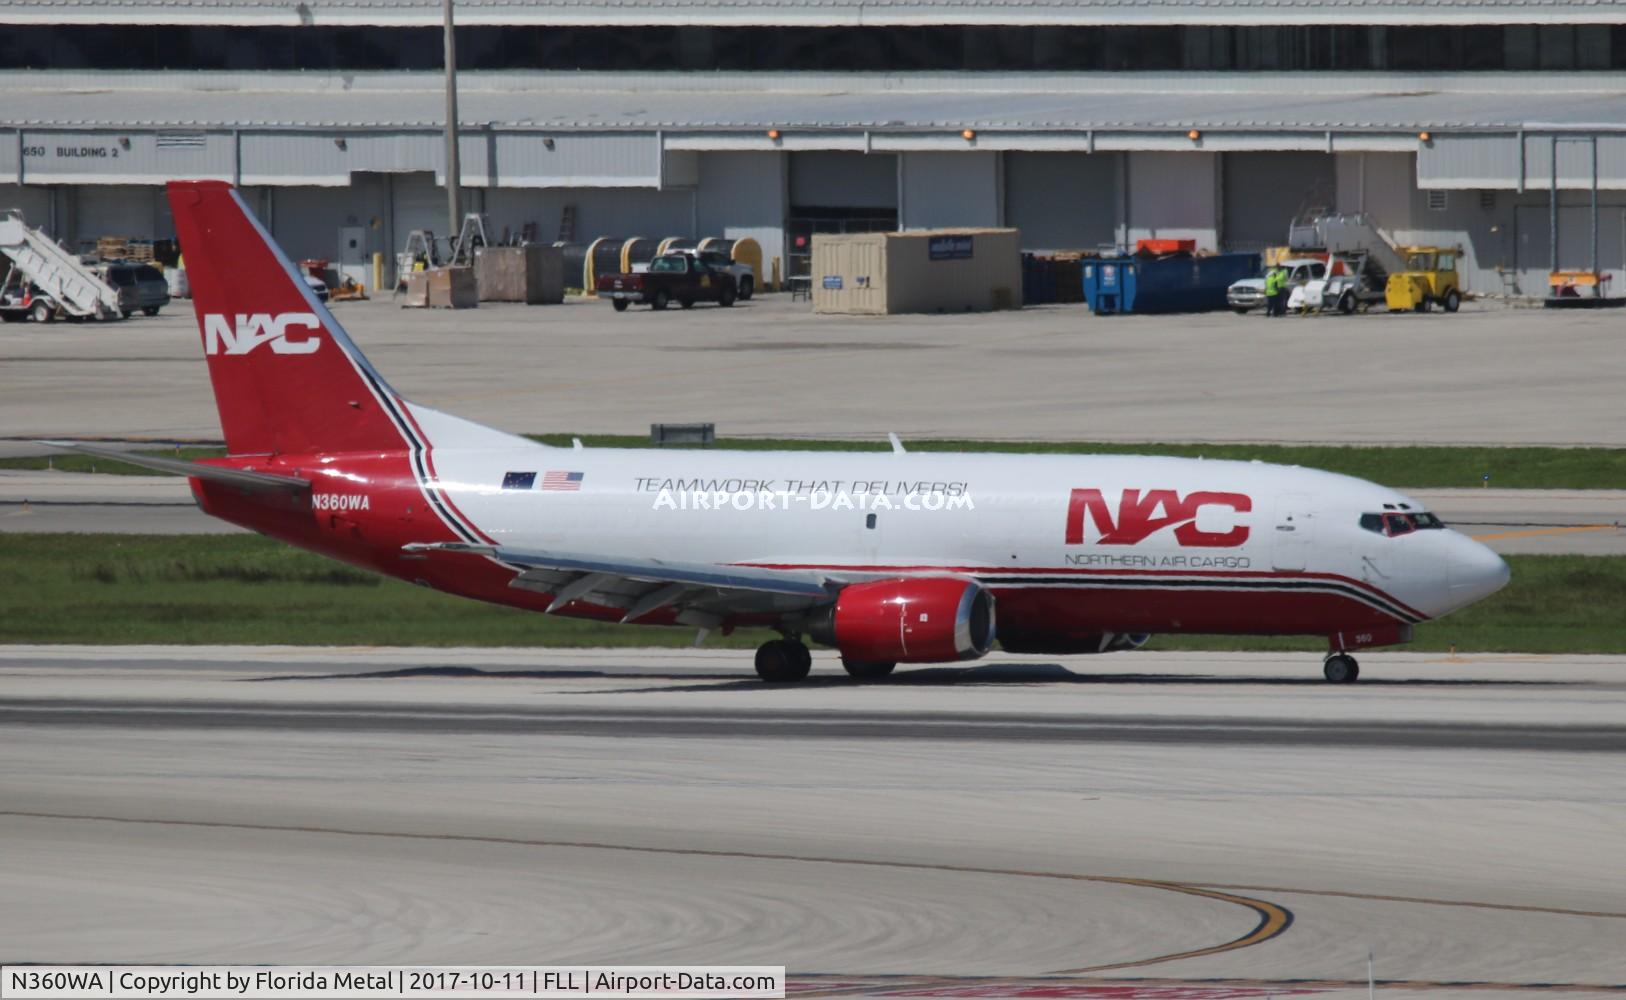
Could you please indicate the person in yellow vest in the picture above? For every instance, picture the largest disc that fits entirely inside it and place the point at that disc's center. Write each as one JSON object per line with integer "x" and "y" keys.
{"x": 1276, "y": 291}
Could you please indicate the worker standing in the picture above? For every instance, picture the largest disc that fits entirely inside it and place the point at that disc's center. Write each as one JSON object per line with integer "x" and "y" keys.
{"x": 1276, "y": 291}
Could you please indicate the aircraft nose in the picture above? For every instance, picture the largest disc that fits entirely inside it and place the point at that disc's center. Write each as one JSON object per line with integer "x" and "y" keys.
{"x": 1476, "y": 571}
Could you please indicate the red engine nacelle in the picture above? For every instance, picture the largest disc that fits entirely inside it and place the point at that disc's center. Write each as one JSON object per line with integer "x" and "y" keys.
{"x": 917, "y": 620}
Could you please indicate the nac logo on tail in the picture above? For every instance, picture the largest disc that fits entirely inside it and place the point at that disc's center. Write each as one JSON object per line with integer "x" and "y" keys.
{"x": 223, "y": 336}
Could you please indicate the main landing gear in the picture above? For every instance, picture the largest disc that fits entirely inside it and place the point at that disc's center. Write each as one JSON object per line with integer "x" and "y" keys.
{"x": 865, "y": 670}
{"x": 787, "y": 660}
{"x": 1341, "y": 668}
{"x": 782, "y": 661}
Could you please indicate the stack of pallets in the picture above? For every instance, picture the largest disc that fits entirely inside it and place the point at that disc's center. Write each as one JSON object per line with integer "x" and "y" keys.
{"x": 124, "y": 248}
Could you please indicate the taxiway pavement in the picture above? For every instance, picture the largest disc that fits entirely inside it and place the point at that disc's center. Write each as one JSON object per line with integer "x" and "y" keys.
{"x": 1486, "y": 375}
{"x": 1225, "y": 825}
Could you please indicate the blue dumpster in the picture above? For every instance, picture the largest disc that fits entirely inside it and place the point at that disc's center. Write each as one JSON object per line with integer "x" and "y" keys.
{"x": 1169, "y": 284}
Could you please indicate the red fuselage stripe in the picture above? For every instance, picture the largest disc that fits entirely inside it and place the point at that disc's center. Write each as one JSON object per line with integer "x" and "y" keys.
{"x": 980, "y": 571}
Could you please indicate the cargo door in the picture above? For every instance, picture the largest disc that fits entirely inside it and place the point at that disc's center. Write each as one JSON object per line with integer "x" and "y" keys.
{"x": 869, "y": 276}
{"x": 1293, "y": 532}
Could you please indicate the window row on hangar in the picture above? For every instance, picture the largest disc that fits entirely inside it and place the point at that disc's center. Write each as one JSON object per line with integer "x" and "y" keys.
{"x": 1042, "y": 48}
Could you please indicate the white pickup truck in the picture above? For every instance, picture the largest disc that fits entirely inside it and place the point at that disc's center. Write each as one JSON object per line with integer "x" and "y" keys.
{"x": 1249, "y": 293}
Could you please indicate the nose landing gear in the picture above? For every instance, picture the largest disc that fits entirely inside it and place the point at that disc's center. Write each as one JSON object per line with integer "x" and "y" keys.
{"x": 1341, "y": 668}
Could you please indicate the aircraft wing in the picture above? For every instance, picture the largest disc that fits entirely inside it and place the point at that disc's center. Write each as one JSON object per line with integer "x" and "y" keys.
{"x": 241, "y": 478}
{"x": 703, "y": 594}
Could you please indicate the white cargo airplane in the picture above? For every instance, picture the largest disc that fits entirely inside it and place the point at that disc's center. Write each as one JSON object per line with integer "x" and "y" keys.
{"x": 888, "y": 557}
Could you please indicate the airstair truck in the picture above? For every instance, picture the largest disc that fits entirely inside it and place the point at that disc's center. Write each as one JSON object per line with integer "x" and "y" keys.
{"x": 33, "y": 261}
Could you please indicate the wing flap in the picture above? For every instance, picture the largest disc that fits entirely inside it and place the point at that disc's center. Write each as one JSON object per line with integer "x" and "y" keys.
{"x": 701, "y": 576}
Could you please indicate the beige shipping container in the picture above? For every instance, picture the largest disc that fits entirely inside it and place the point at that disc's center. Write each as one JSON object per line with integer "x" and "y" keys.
{"x": 922, "y": 271}
{"x": 533, "y": 274}
{"x": 453, "y": 288}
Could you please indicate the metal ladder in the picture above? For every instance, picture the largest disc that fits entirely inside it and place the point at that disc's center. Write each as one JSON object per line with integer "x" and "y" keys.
{"x": 472, "y": 236}
{"x": 567, "y": 224}
{"x": 55, "y": 271}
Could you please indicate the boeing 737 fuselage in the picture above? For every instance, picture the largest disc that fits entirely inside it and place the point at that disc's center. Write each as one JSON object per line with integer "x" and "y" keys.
{"x": 889, "y": 557}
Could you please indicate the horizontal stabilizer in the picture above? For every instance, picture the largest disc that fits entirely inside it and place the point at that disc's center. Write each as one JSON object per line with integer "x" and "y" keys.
{"x": 240, "y": 478}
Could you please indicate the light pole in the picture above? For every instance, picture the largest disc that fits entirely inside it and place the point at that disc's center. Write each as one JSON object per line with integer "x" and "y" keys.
{"x": 454, "y": 171}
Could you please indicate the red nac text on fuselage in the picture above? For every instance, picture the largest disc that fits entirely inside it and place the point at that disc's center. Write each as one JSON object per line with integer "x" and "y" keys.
{"x": 1143, "y": 513}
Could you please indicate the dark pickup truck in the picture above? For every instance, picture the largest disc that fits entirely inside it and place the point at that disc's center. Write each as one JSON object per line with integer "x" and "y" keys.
{"x": 672, "y": 277}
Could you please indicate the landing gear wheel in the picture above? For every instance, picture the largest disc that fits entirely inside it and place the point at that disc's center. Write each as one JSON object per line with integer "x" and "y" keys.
{"x": 1341, "y": 668}
{"x": 1452, "y": 301}
{"x": 662, "y": 297}
{"x": 781, "y": 661}
{"x": 865, "y": 669}
{"x": 620, "y": 305}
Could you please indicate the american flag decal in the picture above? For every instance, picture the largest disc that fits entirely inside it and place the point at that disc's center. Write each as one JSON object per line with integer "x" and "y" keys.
{"x": 565, "y": 482}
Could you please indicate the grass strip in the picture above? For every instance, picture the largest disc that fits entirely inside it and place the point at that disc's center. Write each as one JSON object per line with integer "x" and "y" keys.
{"x": 1418, "y": 467}
{"x": 71, "y": 588}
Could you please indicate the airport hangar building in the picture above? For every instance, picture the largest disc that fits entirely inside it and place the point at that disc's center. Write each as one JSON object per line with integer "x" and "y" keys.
{"x": 1085, "y": 123}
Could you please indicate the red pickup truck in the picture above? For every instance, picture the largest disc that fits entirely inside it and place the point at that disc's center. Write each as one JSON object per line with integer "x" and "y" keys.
{"x": 672, "y": 277}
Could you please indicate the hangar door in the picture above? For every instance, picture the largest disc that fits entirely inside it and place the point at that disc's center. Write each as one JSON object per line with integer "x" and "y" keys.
{"x": 138, "y": 211}
{"x": 837, "y": 192}
{"x": 1264, "y": 192}
{"x": 1062, "y": 201}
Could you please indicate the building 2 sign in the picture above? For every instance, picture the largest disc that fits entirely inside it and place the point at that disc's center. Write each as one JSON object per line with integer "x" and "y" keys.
{"x": 72, "y": 152}
{"x": 949, "y": 247}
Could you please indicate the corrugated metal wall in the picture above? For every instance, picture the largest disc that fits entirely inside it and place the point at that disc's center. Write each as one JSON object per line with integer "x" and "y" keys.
{"x": 1062, "y": 201}
{"x": 109, "y": 158}
{"x": 1492, "y": 162}
{"x": 578, "y": 160}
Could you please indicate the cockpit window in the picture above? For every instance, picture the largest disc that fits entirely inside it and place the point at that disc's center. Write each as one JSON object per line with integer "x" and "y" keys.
{"x": 1393, "y": 524}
